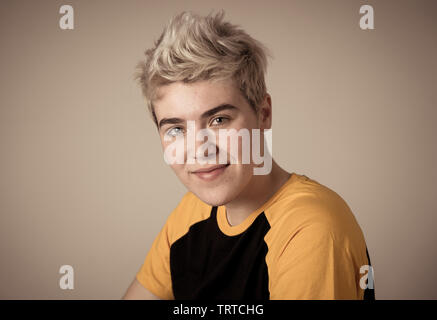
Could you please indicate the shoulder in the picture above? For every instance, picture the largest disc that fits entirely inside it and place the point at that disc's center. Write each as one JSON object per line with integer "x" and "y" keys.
{"x": 310, "y": 207}
{"x": 189, "y": 211}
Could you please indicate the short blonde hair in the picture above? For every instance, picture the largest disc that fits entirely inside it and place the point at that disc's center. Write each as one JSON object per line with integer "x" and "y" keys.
{"x": 193, "y": 48}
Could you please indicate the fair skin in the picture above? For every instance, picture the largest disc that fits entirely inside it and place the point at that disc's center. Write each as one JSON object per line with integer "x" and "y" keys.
{"x": 215, "y": 105}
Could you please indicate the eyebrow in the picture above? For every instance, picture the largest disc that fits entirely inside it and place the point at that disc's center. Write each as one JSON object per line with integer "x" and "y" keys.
{"x": 206, "y": 114}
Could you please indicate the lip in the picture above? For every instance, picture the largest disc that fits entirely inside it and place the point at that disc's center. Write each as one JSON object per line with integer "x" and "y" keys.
{"x": 209, "y": 169}
{"x": 210, "y": 173}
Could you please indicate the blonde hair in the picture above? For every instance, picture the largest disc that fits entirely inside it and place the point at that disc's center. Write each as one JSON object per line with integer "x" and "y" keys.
{"x": 193, "y": 48}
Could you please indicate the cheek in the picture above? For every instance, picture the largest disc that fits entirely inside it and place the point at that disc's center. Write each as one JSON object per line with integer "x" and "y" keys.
{"x": 245, "y": 143}
{"x": 179, "y": 169}
{"x": 174, "y": 150}
{"x": 182, "y": 174}
{"x": 237, "y": 147}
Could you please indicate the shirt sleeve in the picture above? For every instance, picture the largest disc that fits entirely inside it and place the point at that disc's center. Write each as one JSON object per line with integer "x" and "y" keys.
{"x": 316, "y": 265}
{"x": 154, "y": 274}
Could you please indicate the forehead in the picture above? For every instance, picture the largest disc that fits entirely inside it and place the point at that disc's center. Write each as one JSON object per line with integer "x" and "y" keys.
{"x": 190, "y": 100}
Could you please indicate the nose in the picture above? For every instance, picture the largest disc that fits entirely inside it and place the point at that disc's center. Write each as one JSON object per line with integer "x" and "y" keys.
{"x": 201, "y": 144}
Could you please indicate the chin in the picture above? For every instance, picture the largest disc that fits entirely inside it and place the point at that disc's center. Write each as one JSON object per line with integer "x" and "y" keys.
{"x": 221, "y": 191}
{"x": 217, "y": 196}
{"x": 213, "y": 198}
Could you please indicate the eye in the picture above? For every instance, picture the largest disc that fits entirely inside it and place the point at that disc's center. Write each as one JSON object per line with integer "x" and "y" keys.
{"x": 173, "y": 132}
{"x": 219, "y": 121}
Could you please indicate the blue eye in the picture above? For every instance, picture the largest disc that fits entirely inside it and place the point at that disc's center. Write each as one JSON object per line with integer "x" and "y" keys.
{"x": 175, "y": 131}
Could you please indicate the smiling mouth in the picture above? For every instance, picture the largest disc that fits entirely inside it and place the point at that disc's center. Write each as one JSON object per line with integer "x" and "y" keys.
{"x": 210, "y": 169}
{"x": 210, "y": 173}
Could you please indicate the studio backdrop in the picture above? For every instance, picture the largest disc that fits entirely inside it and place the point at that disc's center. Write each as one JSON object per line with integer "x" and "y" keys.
{"x": 83, "y": 182}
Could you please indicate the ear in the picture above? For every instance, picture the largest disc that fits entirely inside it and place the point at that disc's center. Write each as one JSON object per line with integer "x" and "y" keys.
{"x": 265, "y": 113}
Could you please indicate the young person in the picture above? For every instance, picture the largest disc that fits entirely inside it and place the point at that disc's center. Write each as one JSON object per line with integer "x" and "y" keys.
{"x": 236, "y": 234}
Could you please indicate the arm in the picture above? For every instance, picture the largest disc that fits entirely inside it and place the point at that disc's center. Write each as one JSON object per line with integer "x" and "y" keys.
{"x": 136, "y": 291}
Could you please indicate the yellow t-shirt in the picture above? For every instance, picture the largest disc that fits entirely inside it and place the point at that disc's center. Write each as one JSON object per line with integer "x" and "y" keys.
{"x": 303, "y": 243}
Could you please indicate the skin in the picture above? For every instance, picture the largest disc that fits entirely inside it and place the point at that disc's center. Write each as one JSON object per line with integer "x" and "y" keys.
{"x": 237, "y": 188}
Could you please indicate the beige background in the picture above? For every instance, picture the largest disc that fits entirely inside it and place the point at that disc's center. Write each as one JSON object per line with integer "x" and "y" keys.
{"x": 82, "y": 178}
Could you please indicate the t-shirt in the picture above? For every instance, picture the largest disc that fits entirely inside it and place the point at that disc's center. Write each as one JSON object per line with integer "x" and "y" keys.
{"x": 303, "y": 243}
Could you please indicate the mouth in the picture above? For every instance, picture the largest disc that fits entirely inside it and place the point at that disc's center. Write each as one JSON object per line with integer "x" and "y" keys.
{"x": 211, "y": 173}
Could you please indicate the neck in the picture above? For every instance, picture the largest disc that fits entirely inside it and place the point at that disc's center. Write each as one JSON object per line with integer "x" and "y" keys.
{"x": 259, "y": 191}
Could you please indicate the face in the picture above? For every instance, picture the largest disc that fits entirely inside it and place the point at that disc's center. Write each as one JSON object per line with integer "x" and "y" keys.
{"x": 212, "y": 106}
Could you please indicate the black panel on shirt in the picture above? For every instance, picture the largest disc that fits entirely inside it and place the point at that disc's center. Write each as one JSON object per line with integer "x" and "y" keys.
{"x": 207, "y": 264}
{"x": 369, "y": 294}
